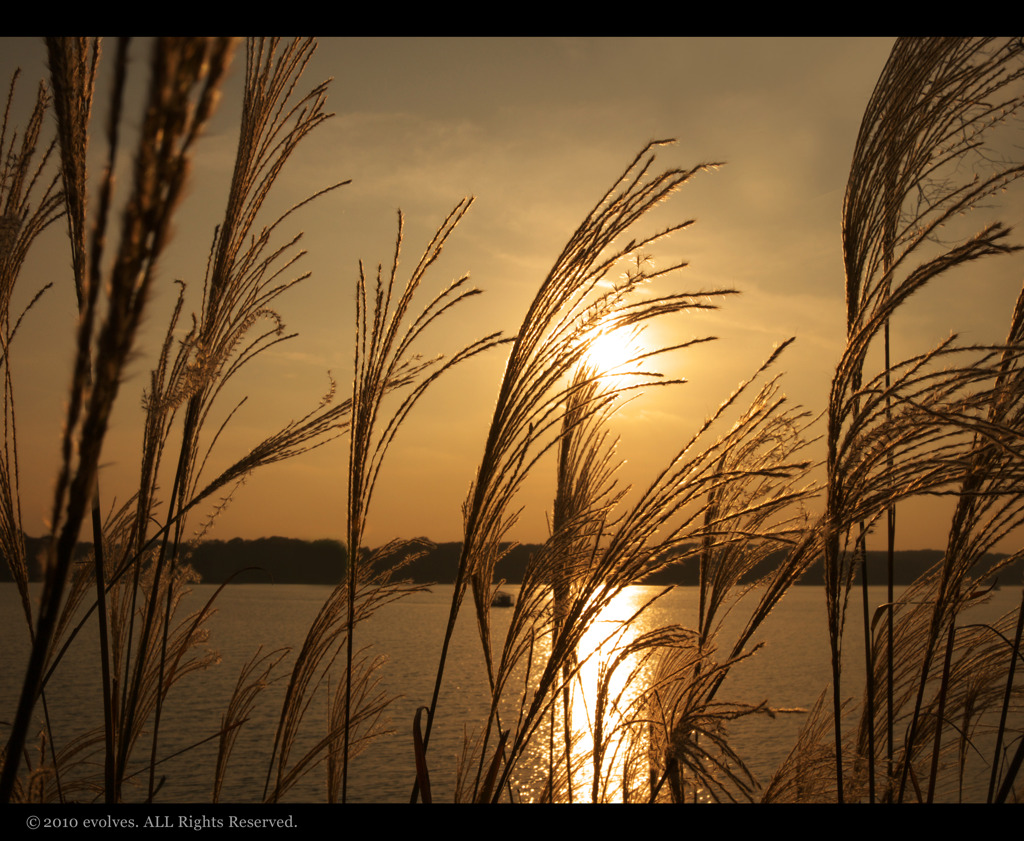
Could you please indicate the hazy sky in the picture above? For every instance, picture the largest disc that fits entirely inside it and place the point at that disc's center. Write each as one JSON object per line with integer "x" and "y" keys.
{"x": 536, "y": 130}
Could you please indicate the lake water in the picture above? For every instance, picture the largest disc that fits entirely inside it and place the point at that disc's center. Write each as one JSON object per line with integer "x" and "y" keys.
{"x": 789, "y": 672}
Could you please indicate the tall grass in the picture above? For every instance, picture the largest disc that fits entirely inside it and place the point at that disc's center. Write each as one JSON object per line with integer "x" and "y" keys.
{"x": 937, "y": 422}
{"x": 734, "y": 496}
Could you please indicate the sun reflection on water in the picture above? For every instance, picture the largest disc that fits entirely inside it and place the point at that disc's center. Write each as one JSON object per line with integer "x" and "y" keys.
{"x": 606, "y": 689}
{"x": 603, "y": 705}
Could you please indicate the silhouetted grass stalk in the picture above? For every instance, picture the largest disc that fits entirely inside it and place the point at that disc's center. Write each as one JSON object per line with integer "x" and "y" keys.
{"x": 546, "y": 349}
{"x": 731, "y": 498}
{"x": 159, "y": 175}
{"x": 384, "y": 356}
{"x": 139, "y": 673}
{"x": 930, "y": 109}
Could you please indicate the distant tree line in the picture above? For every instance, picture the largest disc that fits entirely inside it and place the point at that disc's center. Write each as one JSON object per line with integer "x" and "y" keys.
{"x": 285, "y": 560}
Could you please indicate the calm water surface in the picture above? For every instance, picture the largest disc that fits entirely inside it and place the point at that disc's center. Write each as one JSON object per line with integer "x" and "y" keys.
{"x": 789, "y": 672}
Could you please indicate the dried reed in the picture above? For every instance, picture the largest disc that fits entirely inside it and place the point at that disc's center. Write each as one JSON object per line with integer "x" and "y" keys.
{"x": 917, "y": 428}
{"x": 939, "y": 691}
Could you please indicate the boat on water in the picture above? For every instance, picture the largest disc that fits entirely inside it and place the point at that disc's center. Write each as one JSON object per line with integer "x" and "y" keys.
{"x": 501, "y": 599}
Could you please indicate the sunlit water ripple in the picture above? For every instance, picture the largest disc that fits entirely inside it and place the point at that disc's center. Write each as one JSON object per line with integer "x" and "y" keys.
{"x": 790, "y": 671}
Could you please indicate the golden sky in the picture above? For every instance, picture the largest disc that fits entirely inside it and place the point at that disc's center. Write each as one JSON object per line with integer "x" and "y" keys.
{"x": 536, "y": 130}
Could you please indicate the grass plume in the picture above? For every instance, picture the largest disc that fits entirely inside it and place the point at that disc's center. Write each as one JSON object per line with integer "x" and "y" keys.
{"x": 575, "y": 692}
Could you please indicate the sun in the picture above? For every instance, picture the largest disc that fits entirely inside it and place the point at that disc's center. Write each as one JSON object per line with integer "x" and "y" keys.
{"x": 612, "y": 353}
